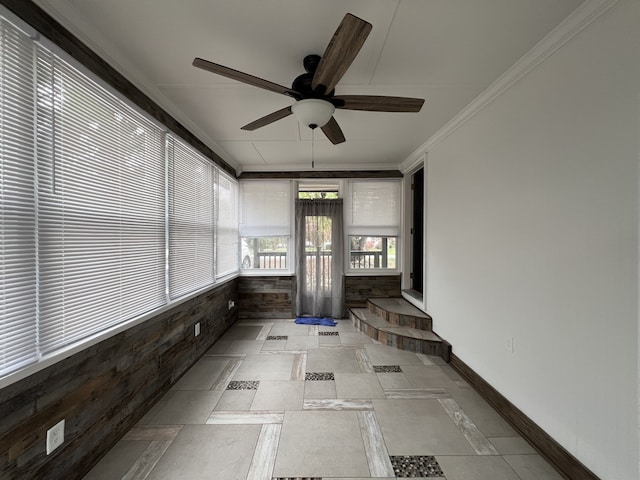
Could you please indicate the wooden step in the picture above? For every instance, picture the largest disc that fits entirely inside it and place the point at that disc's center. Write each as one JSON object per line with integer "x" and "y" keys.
{"x": 401, "y": 337}
{"x": 398, "y": 311}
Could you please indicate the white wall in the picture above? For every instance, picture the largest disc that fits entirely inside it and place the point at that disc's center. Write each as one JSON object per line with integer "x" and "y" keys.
{"x": 532, "y": 232}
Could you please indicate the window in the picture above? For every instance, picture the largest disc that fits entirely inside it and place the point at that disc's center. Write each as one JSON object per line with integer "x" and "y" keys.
{"x": 265, "y": 225}
{"x": 373, "y": 224}
{"x": 265, "y": 253}
{"x": 372, "y": 252}
{"x": 191, "y": 219}
{"x": 100, "y": 208}
{"x": 18, "y": 267}
{"x": 104, "y": 217}
{"x": 313, "y": 191}
{"x": 226, "y": 226}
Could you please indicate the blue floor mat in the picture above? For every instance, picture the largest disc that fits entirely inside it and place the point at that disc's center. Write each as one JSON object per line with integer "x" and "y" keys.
{"x": 328, "y": 322}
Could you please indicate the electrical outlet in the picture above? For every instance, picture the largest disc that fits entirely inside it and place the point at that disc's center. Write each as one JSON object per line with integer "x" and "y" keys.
{"x": 55, "y": 436}
{"x": 231, "y": 304}
{"x": 509, "y": 344}
{"x": 197, "y": 329}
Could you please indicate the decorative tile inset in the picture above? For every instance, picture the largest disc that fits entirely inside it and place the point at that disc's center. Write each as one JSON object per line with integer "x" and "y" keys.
{"x": 412, "y": 466}
{"x": 297, "y": 478}
{"x": 278, "y": 337}
{"x": 243, "y": 385}
{"x": 387, "y": 369}
{"x": 312, "y": 376}
{"x": 329, "y": 334}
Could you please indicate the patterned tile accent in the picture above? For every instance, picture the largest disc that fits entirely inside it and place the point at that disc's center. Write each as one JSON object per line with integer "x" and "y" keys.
{"x": 387, "y": 369}
{"x": 412, "y": 466}
{"x": 278, "y": 337}
{"x": 329, "y": 334}
{"x": 297, "y": 478}
{"x": 243, "y": 385}
{"x": 319, "y": 376}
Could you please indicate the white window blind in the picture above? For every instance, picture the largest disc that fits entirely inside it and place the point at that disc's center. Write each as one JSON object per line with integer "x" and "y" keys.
{"x": 266, "y": 209}
{"x": 18, "y": 332}
{"x": 226, "y": 226}
{"x": 374, "y": 207}
{"x": 101, "y": 207}
{"x": 191, "y": 219}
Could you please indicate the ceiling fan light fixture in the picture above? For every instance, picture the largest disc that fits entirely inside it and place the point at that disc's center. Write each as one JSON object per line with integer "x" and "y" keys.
{"x": 313, "y": 112}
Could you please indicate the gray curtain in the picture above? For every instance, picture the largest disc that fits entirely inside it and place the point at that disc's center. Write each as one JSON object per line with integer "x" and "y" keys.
{"x": 319, "y": 258}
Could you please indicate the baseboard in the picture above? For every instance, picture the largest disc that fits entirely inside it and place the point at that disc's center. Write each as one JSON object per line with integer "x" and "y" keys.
{"x": 565, "y": 463}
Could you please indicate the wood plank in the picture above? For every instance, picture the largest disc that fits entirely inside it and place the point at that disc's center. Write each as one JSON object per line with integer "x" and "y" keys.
{"x": 253, "y": 417}
{"x": 474, "y": 436}
{"x": 374, "y": 446}
{"x": 337, "y": 404}
{"x": 264, "y": 457}
{"x": 324, "y": 174}
{"x": 141, "y": 469}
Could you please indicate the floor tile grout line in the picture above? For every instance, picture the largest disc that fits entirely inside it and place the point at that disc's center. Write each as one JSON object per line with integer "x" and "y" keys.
{"x": 474, "y": 436}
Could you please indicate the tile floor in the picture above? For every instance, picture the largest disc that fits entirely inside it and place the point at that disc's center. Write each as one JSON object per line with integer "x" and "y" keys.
{"x": 276, "y": 400}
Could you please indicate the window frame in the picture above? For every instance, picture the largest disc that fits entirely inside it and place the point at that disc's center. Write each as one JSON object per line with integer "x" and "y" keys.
{"x": 42, "y": 360}
{"x": 373, "y": 231}
{"x": 279, "y": 232}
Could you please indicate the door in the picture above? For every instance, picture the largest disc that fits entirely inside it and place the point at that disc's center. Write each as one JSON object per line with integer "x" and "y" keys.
{"x": 417, "y": 232}
{"x": 319, "y": 258}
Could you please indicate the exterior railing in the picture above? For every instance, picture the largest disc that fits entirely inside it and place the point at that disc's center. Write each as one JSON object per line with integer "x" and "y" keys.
{"x": 367, "y": 259}
{"x": 358, "y": 259}
{"x": 272, "y": 260}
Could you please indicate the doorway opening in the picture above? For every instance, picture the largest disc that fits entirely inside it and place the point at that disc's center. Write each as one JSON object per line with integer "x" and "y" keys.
{"x": 319, "y": 258}
{"x": 417, "y": 234}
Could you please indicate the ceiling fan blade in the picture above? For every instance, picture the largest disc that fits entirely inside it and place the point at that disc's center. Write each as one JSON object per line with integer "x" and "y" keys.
{"x": 340, "y": 53}
{"x": 333, "y": 131}
{"x": 374, "y": 103}
{"x": 267, "y": 119}
{"x": 244, "y": 78}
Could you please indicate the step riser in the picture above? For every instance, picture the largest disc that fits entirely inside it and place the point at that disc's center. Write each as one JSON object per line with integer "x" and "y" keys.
{"x": 401, "y": 320}
{"x": 400, "y": 342}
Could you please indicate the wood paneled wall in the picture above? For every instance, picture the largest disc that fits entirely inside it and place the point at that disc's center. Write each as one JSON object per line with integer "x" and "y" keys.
{"x": 267, "y": 297}
{"x": 359, "y": 288}
{"x": 274, "y": 296}
{"x": 104, "y": 390}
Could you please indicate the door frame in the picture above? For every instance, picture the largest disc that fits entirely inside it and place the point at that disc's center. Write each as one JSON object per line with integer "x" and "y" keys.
{"x": 417, "y": 299}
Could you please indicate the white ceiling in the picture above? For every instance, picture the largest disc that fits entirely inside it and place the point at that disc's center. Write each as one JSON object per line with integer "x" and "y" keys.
{"x": 446, "y": 51}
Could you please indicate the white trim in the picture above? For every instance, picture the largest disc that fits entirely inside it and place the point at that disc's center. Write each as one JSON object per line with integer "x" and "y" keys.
{"x": 582, "y": 17}
{"x": 638, "y": 279}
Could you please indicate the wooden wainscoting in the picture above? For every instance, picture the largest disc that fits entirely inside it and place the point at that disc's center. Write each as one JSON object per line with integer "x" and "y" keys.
{"x": 104, "y": 390}
{"x": 360, "y": 288}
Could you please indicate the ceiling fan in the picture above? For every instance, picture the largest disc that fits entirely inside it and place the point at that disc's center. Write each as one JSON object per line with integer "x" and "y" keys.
{"x": 314, "y": 91}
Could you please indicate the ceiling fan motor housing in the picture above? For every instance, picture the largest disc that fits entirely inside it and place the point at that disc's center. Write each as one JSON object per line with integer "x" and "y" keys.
{"x": 302, "y": 83}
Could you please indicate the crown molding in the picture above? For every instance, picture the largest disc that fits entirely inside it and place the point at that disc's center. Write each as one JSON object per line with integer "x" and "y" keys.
{"x": 577, "y": 21}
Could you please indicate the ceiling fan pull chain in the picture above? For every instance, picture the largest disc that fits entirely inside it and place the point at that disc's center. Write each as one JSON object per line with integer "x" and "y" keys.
{"x": 313, "y": 130}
